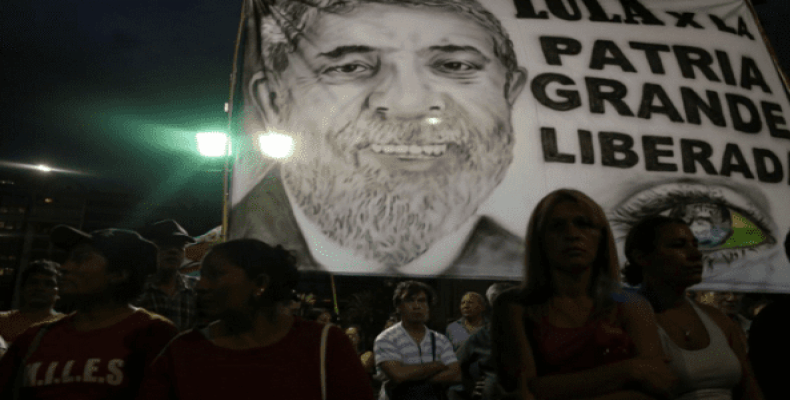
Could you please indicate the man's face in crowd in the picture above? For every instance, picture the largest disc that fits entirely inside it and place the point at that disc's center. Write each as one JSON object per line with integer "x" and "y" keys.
{"x": 85, "y": 276}
{"x": 170, "y": 253}
{"x": 414, "y": 308}
{"x": 402, "y": 124}
{"x": 40, "y": 291}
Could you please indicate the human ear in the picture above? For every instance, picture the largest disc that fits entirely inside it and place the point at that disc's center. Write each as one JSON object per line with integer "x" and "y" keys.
{"x": 517, "y": 82}
{"x": 262, "y": 281}
{"x": 262, "y": 91}
{"x": 641, "y": 258}
{"x": 119, "y": 276}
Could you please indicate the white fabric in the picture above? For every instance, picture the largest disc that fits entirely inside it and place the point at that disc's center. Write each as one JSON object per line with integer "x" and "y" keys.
{"x": 395, "y": 344}
{"x": 709, "y": 373}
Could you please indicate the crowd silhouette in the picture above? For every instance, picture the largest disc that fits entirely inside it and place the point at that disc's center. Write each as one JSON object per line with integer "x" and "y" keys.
{"x": 140, "y": 329}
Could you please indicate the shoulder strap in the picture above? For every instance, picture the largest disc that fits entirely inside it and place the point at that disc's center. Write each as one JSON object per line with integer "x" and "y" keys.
{"x": 433, "y": 346}
{"x": 20, "y": 373}
{"x": 324, "y": 335}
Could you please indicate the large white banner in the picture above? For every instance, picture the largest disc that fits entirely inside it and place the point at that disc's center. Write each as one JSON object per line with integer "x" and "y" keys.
{"x": 425, "y": 131}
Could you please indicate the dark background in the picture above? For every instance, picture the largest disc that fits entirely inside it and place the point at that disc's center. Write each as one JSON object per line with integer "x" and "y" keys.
{"x": 113, "y": 92}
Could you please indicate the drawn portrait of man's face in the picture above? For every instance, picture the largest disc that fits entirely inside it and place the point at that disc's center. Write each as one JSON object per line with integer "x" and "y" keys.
{"x": 402, "y": 123}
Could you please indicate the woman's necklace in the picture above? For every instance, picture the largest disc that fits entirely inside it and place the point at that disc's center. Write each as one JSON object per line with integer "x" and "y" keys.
{"x": 659, "y": 310}
{"x": 686, "y": 329}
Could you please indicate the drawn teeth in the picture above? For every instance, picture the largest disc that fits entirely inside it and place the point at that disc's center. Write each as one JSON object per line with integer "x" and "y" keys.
{"x": 413, "y": 150}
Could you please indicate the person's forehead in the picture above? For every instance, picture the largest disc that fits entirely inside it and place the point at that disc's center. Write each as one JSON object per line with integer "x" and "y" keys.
{"x": 415, "y": 295}
{"x": 471, "y": 297}
{"x": 567, "y": 208}
{"x": 673, "y": 230}
{"x": 87, "y": 248}
{"x": 392, "y": 27}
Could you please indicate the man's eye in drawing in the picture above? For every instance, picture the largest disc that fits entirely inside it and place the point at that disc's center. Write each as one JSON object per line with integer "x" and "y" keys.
{"x": 718, "y": 227}
{"x": 455, "y": 67}
{"x": 346, "y": 69}
{"x": 728, "y": 226}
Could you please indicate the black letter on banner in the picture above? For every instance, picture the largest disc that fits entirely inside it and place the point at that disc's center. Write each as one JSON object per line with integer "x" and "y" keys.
{"x": 753, "y": 125}
{"x": 548, "y": 138}
{"x": 557, "y": 7}
{"x": 760, "y": 155}
{"x": 690, "y": 156}
{"x": 726, "y": 68}
{"x": 597, "y": 97}
{"x": 750, "y": 74}
{"x": 597, "y": 14}
{"x": 633, "y": 9}
{"x": 538, "y": 87}
{"x": 721, "y": 25}
{"x": 599, "y": 56}
{"x": 553, "y": 46}
{"x": 525, "y": 9}
{"x": 609, "y": 149}
{"x": 651, "y": 52}
{"x": 652, "y": 91}
{"x": 685, "y": 19}
{"x": 743, "y": 29}
{"x": 727, "y": 166}
{"x": 586, "y": 145}
{"x": 692, "y": 104}
{"x": 702, "y": 60}
{"x": 652, "y": 153}
{"x": 773, "y": 120}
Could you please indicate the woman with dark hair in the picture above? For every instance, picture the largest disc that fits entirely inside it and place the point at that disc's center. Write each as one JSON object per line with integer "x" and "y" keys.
{"x": 707, "y": 349}
{"x": 571, "y": 332}
{"x": 101, "y": 349}
{"x": 38, "y": 285}
{"x": 252, "y": 347}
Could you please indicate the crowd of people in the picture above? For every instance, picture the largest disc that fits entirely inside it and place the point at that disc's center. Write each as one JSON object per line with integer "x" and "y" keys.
{"x": 142, "y": 330}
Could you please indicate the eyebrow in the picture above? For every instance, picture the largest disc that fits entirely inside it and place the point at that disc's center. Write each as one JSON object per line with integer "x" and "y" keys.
{"x": 452, "y": 48}
{"x": 343, "y": 50}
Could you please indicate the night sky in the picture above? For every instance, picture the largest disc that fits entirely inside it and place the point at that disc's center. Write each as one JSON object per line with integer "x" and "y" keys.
{"x": 117, "y": 90}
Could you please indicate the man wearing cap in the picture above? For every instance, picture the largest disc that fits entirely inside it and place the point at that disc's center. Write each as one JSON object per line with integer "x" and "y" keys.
{"x": 168, "y": 292}
{"x": 100, "y": 350}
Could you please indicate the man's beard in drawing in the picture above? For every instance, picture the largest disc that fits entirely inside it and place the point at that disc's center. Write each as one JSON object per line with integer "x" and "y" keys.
{"x": 394, "y": 215}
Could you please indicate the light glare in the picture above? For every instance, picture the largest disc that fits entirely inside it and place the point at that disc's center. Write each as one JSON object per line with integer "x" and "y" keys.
{"x": 276, "y": 145}
{"x": 44, "y": 168}
{"x": 433, "y": 120}
{"x": 212, "y": 144}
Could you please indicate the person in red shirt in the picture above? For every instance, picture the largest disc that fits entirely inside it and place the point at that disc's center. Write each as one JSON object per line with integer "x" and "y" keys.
{"x": 253, "y": 349}
{"x": 100, "y": 350}
{"x": 38, "y": 294}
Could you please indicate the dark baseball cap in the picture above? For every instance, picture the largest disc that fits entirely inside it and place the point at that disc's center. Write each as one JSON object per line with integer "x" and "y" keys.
{"x": 167, "y": 231}
{"x": 119, "y": 246}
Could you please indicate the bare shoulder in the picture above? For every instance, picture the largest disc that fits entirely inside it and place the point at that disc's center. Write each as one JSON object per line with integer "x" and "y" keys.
{"x": 721, "y": 319}
{"x": 633, "y": 305}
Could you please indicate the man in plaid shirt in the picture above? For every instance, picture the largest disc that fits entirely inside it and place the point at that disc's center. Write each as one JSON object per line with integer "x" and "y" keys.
{"x": 168, "y": 292}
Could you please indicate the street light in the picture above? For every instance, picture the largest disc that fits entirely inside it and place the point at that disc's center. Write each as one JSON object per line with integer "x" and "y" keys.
{"x": 213, "y": 144}
{"x": 276, "y": 145}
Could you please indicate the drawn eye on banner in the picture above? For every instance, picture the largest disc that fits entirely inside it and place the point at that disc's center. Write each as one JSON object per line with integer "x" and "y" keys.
{"x": 417, "y": 151}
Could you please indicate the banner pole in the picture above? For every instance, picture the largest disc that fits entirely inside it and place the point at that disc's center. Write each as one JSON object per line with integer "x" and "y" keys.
{"x": 334, "y": 294}
{"x": 229, "y": 110}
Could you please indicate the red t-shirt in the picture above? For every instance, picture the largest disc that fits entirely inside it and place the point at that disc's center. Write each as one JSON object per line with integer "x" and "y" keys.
{"x": 192, "y": 367}
{"x": 105, "y": 363}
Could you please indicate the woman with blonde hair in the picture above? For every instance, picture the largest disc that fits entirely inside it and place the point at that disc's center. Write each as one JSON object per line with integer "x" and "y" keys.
{"x": 571, "y": 332}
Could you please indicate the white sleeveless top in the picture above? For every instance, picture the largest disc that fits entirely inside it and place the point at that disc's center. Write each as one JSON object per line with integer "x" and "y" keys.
{"x": 708, "y": 373}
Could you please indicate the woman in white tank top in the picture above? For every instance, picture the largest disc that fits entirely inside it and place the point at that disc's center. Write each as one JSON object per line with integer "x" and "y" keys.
{"x": 706, "y": 349}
